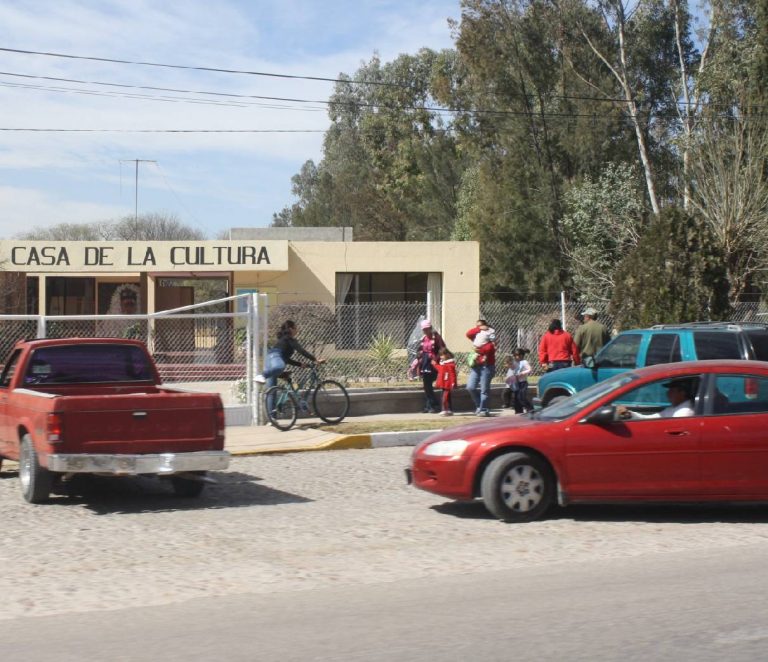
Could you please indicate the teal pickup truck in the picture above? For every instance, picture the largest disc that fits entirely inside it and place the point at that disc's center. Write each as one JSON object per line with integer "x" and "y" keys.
{"x": 664, "y": 343}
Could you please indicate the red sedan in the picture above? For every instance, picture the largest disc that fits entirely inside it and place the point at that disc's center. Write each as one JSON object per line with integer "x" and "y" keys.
{"x": 695, "y": 431}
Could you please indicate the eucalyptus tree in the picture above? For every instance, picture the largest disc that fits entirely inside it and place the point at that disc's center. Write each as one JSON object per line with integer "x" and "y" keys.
{"x": 634, "y": 42}
{"x": 390, "y": 167}
{"x": 532, "y": 130}
{"x": 675, "y": 274}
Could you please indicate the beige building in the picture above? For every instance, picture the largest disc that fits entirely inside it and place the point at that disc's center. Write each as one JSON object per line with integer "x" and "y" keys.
{"x": 318, "y": 265}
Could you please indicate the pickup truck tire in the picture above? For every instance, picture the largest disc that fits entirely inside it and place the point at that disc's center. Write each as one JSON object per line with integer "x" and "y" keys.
{"x": 517, "y": 487}
{"x": 188, "y": 487}
{"x": 35, "y": 480}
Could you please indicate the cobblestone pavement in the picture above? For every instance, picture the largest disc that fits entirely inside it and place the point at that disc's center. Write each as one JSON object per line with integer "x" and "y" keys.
{"x": 301, "y": 521}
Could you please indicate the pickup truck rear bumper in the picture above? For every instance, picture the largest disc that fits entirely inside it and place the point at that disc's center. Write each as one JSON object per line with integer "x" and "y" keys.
{"x": 160, "y": 463}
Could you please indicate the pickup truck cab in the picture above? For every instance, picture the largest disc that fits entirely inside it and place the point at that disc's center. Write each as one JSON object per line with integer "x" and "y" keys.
{"x": 96, "y": 405}
{"x": 663, "y": 343}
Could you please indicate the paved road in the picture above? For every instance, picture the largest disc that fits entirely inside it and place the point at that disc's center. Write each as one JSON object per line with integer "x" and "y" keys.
{"x": 298, "y": 554}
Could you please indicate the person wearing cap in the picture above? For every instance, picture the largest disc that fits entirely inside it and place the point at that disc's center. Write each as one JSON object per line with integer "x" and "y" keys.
{"x": 591, "y": 335}
{"x": 483, "y": 368}
{"x": 680, "y": 394}
{"x": 428, "y": 358}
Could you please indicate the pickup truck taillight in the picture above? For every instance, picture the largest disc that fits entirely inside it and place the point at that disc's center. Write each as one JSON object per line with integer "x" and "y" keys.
{"x": 219, "y": 419}
{"x": 54, "y": 430}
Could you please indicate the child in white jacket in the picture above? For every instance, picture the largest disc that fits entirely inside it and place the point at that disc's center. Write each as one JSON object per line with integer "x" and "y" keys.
{"x": 520, "y": 369}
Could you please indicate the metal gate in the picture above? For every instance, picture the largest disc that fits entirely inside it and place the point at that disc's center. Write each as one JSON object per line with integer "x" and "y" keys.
{"x": 201, "y": 347}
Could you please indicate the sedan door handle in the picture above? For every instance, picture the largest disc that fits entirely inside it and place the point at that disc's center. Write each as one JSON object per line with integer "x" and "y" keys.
{"x": 677, "y": 433}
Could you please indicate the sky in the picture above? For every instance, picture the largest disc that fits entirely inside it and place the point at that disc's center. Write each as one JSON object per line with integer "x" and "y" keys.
{"x": 209, "y": 181}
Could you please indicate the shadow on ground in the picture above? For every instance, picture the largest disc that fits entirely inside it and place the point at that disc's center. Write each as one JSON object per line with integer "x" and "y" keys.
{"x": 110, "y": 495}
{"x": 652, "y": 514}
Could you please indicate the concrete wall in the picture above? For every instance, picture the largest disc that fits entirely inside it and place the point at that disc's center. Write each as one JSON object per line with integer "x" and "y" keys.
{"x": 312, "y": 269}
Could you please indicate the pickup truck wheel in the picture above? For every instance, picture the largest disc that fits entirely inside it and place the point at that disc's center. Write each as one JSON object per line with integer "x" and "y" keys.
{"x": 188, "y": 487}
{"x": 517, "y": 487}
{"x": 35, "y": 480}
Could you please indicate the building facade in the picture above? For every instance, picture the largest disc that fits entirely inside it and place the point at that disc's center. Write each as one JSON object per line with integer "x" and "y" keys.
{"x": 290, "y": 265}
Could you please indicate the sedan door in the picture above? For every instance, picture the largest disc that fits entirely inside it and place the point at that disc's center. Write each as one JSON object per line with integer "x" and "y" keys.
{"x": 652, "y": 458}
{"x": 735, "y": 437}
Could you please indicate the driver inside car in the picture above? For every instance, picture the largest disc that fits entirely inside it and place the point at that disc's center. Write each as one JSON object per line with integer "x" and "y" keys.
{"x": 679, "y": 392}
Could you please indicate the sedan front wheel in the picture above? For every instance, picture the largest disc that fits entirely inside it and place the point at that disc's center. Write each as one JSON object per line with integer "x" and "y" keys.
{"x": 518, "y": 487}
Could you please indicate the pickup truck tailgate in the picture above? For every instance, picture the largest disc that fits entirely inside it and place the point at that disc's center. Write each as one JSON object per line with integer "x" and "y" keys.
{"x": 147, "y": 423}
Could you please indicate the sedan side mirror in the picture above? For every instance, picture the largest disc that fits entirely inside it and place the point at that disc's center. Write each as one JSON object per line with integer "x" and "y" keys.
{"x": 589, "y": 362}
{"x": 601, "y": 416}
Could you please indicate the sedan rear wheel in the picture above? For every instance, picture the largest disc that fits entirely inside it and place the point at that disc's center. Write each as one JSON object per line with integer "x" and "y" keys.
{"x": 517, "y": 487}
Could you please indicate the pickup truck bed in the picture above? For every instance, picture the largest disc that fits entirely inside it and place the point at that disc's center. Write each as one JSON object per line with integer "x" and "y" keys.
{"x": 54, "y": 421}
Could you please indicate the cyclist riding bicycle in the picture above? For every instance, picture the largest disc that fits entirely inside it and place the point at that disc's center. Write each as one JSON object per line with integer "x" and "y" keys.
{"x": 280, "y": 354}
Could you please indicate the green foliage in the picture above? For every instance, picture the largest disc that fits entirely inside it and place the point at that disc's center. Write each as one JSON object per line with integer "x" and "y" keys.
{"x": 674, "y": 275}
{"x": 603, "y": 221}
{"x": 382, "y": 348}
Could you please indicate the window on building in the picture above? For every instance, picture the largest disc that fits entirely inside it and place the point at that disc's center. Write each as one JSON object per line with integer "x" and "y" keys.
{"x": 374, "y": 287}
{"x": 359, "y": 322}
{"x": 70, "y": 296}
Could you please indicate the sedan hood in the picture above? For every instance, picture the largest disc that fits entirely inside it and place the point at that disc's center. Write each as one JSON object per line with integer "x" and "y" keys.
{"x": 478, "y": 428}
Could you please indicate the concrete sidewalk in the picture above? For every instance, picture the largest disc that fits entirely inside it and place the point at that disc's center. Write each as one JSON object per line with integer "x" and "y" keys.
{"x": 304, "y": 436}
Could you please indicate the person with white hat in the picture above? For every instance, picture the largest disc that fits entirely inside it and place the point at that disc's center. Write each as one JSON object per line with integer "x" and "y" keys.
{"x": 591, "y": 335}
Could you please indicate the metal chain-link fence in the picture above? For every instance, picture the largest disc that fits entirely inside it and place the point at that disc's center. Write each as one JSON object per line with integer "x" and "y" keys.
{"x": 201, "y": 347}
{"x": 368, "y": 344}
{"x": 374, "y": 343}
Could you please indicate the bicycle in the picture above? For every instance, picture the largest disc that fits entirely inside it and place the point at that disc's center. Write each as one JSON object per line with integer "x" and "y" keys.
{"x": 330, "y": 400}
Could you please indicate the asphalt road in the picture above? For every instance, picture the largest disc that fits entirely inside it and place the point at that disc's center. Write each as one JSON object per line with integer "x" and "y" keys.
{"x": 330, "y": 556}
{"x": 687, "y": 607}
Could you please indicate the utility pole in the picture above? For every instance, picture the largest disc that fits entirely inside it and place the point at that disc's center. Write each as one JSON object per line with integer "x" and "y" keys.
{"x": 136, "y": 186}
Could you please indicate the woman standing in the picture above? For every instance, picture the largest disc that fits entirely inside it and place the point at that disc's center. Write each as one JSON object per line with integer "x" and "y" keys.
{"x": 484, "y": 368}
{"x": 428, "y": 357}
{"x": 557, "y": 349}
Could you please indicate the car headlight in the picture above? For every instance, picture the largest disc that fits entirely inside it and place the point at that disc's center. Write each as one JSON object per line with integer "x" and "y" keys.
{"x": 447, "y": 448}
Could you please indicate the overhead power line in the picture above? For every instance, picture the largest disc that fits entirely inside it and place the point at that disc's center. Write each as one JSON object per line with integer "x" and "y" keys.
{"x": 34, "y": 130}
{"x": 199, "y": 68}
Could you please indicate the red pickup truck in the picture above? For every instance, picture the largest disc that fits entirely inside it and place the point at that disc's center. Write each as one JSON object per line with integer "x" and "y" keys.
{"x": 96, "y": 405}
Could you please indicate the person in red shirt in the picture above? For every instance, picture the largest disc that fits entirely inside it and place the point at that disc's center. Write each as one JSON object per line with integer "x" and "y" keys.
{"x": 557, "y": 348}
{"x": 446, "y": 379}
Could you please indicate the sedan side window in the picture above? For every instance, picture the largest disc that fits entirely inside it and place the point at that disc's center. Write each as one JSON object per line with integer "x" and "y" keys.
{"x": 740, "y": 394}
{"x": 621, "y": 352}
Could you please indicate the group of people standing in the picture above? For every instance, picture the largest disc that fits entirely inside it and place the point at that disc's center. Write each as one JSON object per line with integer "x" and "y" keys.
{"x": 436, "y": 365}
{"x": 559, "y": 349}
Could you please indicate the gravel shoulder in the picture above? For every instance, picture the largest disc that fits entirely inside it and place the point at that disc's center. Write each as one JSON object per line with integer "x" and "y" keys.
{"x": 279, "y": 523}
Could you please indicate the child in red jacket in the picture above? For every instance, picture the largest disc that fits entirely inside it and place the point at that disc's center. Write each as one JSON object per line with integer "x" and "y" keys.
{"x": 446, "y": 379}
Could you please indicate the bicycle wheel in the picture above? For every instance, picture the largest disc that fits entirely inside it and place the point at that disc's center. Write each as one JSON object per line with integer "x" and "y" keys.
{"x": 330, "y": 401}
{"x": 280, "y": 405}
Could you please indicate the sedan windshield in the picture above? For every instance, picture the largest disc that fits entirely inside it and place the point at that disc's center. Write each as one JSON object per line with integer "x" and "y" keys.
{"x": 578, "y": 401}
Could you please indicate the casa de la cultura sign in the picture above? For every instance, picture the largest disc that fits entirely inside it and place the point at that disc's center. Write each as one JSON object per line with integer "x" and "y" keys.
{"x": 141, "y": 256}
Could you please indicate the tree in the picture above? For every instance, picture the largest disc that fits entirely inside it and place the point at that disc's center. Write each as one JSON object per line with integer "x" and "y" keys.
{"x": 148, "y": 227}
{"x": 390, "y": 169}
{"x": 674, "y": 275}
{"x": 603, "y": 222}
{"x": 635, "y": 42}
{"x": 731, "y": 194}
